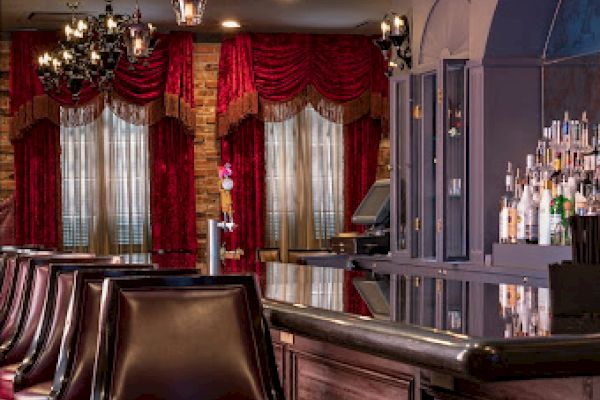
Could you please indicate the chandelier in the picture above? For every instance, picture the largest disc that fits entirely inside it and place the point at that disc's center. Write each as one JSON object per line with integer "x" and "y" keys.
{"x": 189, "y": 12}
{"x": 395, "y": 42}
{"x": 91, "y": 48}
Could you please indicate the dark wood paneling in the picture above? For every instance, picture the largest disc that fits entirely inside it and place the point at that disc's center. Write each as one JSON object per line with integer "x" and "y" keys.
{"x": 583, "y": 388}
{"x": 279, "y": 354}
{"x": 321, "y": 378}
{"x": 310, "y": 369}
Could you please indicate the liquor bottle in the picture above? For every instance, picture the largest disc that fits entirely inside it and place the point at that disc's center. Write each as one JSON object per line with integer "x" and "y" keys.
{"x": 525, "y": 204}
{"x": 530, "y": 215}
{"x": 581, "y": 200}
{"x": 505, "y": 207}
{"x": 593, "y": 201}
{"x": 556, "y": 216}
{"x": 544, "y": 235}
{"x": 556, "y": 166}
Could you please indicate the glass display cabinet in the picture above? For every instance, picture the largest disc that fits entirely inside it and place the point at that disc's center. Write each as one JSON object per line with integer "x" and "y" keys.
{"x": 429, "y": 144}
{"x": 453, "y": 170}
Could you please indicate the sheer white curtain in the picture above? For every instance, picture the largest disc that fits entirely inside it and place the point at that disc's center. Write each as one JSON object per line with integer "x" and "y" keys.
{"x": 105, "y": 176}
{"x": 304, "y": 181}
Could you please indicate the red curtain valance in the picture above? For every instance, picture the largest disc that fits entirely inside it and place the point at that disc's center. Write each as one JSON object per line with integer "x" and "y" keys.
{"x": 163, "y": 83}
{"x": 276, "y": 75}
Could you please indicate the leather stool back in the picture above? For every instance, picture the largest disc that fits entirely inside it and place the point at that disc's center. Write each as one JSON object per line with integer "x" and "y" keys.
{"x": 74, "y": 371}
{"x": 13, "y": 349}
{"x": 184, "y": 338}
{"x": 17, "y": 291}
{"x": 39, "y": 364}
{"x": 8, "y": 270}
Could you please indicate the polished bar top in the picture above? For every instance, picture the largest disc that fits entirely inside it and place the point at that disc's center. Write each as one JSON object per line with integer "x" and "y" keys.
{"x": 510, "y": 339}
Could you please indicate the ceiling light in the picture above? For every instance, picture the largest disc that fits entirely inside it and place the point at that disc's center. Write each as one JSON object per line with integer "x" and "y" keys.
{"x": 230, "y": 23}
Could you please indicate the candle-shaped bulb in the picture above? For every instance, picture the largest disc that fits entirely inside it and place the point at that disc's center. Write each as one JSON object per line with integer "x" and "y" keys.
{"x": 188, "y": 11}
{"x": 68, "y": 31}
{"x": 385, "y": 28}
{"x": 397, "y": 24}
{"x": 111, "y": 24}
{"x": 137, "y": 46}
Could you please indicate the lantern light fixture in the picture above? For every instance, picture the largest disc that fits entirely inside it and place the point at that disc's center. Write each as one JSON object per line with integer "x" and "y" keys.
{"x": 138, "y": 37}
{"x": 189, "y": 12}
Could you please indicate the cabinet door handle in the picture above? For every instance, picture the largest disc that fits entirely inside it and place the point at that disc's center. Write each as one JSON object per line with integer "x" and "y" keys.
{"x": 417, "y": 224}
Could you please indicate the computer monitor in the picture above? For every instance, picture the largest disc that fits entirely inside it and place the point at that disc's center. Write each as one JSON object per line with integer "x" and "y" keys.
{"x": 375, "y": 207}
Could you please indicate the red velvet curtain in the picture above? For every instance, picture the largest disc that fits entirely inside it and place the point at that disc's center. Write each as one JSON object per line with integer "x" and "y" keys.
{"x": 246, "y": 152}
{"x": 361, "y": 148}
{"x": 172, "y": 195}
{"x": 338, "y": 66}
{"x": 236, "y": 91}
{"x": 37, "y": 192}
{"x": 287, "y": 71}
{"x": 164, "y": 84}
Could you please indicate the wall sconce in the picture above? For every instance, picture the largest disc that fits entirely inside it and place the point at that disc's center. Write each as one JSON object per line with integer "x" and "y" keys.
{"x": 395, "y": 42}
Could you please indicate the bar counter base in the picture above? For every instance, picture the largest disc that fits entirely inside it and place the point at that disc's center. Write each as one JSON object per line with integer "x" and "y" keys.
{"x": 314, "y": 370}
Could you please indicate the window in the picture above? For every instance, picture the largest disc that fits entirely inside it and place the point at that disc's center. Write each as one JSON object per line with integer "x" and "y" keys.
{"x": 105, "y": 187}
{"x": 304, "y": 181}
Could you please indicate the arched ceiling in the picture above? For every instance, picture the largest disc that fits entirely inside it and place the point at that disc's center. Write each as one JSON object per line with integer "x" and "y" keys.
{"x": 519, "y": 28}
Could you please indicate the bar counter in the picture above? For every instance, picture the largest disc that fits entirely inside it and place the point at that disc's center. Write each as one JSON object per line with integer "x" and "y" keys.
{"x": 484, "y": 354}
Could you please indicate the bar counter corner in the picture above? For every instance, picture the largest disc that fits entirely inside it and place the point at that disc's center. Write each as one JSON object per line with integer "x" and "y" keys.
{"x": 324, "y": 352}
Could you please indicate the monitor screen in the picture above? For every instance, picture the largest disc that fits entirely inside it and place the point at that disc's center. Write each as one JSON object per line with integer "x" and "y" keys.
{"x": 375, "y": 207}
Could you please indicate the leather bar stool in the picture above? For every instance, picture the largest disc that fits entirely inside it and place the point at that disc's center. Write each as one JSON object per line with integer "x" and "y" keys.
{"x": 40, "y": 361}
{"x": 184, "y": 338}
{"x": 21, "y": 269}
{"x": 14, "y": 349}
{"x": 74, "y": 369}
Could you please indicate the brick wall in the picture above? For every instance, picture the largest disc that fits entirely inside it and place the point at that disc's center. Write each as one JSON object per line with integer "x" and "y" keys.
{"x": 206, "y": 145}
{"x": 7, "y": 182}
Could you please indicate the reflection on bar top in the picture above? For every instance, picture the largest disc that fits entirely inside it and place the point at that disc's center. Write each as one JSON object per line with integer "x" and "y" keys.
{"x": 476, "y": 309}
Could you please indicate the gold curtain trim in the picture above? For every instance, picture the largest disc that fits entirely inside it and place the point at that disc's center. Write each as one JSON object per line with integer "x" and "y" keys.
{"x": 368, "y": 103}
{"x": 39, "y": 107}
{"x": 43, "y": 106}
{"x": 237, "y": 110}
{"x": 177, "y": 107}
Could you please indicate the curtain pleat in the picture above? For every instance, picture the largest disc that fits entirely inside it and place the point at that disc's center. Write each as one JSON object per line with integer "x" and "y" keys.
{"x": 37, "y": 176}
{"x": 173, "y": 196}
{"x": 245, "y": 152}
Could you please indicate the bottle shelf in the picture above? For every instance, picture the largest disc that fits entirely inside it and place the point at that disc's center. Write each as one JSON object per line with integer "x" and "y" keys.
{"x": 530, "y": 256}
